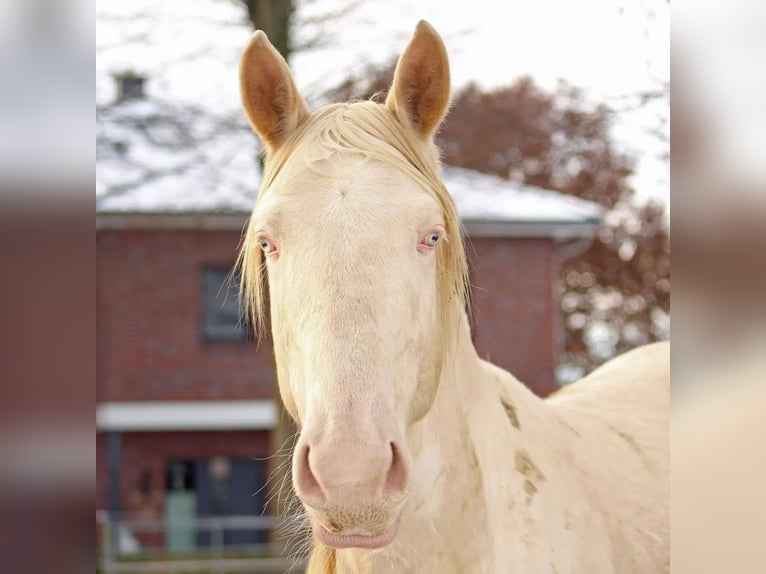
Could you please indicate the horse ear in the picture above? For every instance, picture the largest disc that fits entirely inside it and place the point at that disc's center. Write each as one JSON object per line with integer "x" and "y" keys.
{"x": 271, "y": 101}
{"x": 420, "y": 93}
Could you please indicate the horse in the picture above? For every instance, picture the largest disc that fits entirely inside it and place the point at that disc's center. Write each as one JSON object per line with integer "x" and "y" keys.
{"x": 413, "y": 453}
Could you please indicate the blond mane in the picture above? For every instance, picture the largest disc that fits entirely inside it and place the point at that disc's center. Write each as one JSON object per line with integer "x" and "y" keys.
{"x": 371, "y": 130}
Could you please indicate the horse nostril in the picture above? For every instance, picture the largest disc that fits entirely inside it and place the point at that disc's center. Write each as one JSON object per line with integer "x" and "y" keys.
{"x": 396, "y": 480}
{"x": 307, "y": 484}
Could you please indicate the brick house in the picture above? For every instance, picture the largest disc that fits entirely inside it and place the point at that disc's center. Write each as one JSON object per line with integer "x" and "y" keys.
{"x": 185, "y": 400}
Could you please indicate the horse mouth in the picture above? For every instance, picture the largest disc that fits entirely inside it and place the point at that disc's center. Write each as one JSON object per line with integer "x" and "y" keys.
{"x": 354, "y": 540}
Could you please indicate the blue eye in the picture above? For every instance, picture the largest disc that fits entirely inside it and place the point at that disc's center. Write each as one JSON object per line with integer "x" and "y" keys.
{"x": 266, "y": 245}
{"x": 429, "y": 241}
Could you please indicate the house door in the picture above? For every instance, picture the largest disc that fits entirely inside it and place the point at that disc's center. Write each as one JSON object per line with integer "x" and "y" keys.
{"x": 180, "y": 507}
{"x": 230, "y": 487}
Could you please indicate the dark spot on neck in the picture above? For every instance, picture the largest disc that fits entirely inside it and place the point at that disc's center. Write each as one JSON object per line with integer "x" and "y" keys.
{"x": 530, "y": 472}
{"x": 513, "y": 415}
{"x": 530, "y": 489}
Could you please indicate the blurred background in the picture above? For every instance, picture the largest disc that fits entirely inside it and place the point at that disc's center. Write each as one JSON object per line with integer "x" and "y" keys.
{"x": 556, "y": 150}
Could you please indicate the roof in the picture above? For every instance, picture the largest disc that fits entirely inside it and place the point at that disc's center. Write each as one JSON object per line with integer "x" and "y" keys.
{"x": 156, "y": 159}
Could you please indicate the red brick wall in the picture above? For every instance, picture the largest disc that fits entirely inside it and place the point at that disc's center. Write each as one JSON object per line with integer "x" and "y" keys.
{"x": 150, "y": 344}
{"x": 515, "y": 311}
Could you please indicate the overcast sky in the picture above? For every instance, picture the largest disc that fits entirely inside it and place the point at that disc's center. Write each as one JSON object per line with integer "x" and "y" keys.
{"x": 190, "y": 50}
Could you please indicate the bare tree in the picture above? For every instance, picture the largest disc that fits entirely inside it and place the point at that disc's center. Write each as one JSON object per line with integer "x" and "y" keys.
{"x": 279, "y": 18}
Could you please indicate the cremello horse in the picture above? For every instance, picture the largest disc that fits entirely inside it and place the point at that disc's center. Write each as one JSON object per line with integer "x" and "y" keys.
{"x": 414, "y": 454}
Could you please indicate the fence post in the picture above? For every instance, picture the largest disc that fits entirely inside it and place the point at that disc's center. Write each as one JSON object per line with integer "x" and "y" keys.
{"x": 107, "y": 558}
{"x": 216, "y": 536}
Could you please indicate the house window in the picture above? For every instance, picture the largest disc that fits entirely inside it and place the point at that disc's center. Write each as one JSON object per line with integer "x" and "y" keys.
{"x": 221, "y": 315}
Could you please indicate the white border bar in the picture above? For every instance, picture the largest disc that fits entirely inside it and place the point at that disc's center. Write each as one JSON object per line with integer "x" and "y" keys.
{"x": 186, "y": 415}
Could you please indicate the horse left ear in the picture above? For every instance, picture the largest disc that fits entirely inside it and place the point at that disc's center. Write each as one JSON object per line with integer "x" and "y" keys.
{"x": 420, "y": 93}
{"x": 271, "y": 101}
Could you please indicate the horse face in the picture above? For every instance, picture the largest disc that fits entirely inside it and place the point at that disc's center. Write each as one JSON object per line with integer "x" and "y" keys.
{"x": 350, "y": 241}
{"x": 352, "y": 274}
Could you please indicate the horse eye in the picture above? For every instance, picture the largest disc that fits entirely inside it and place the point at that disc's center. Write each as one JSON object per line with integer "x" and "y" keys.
{"x": 430, "y": 240}
{"x": 266, "y": 245}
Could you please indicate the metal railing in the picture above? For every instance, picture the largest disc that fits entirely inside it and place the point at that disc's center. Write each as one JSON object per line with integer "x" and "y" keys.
{"x": 121, "y": 550}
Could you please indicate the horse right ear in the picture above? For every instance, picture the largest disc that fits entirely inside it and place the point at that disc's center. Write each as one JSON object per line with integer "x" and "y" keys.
{"x": 271, "y": 101}
{"x": 420, "y": 93}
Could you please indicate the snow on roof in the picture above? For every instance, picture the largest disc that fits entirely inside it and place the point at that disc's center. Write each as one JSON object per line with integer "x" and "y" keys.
{"x": 155, "y": 158}
{"x": 486, "y": 198}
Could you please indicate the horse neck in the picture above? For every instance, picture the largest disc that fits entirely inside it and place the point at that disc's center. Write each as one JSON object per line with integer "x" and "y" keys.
{"x": 466, "y": 447}
{"x": 474, "y": 398}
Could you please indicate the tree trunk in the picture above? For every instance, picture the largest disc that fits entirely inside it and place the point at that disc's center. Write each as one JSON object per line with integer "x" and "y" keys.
{"x": 273, "y": 17}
